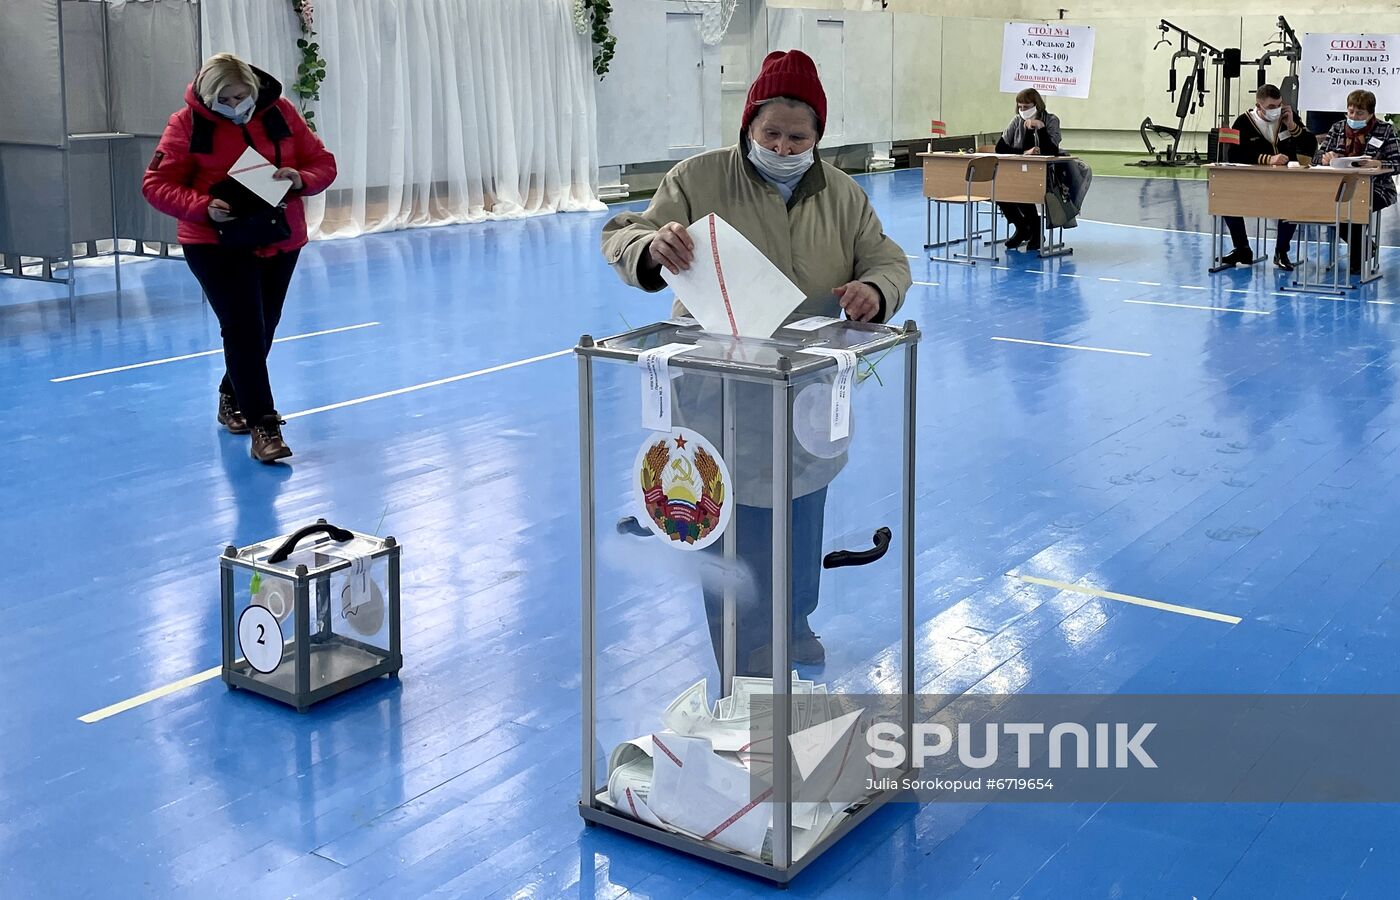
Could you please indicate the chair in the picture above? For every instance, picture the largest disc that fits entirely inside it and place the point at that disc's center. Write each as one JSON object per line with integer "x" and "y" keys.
{"x": 1304, "y": 277}
{"x": 981, "y": 170}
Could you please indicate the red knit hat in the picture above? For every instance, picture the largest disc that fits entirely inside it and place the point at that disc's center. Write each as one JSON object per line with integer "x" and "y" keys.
{"x": 791, "y": 74}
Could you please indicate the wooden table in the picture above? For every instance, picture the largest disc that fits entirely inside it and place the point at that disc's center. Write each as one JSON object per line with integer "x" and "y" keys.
{"x": 1306, "y": 195}
{"x": 1020, "y": 179}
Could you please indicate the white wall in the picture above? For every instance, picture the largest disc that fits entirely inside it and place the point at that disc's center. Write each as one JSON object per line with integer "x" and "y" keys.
{"x": 905, "y": 65}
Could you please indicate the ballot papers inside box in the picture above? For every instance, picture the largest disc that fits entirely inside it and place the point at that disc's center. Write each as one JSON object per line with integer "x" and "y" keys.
{"x": 695, "y": 591}
{"x": 310, "y": 614}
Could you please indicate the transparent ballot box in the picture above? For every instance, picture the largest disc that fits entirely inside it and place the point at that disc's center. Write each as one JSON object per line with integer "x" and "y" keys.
{"x": 310, "y": 614}
{"x": 746, "y": 510}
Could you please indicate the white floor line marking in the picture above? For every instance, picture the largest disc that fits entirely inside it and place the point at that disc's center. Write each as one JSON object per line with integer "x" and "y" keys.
{"x": 927, "y": 283}
{"x": 1382, "y": 302}
{"x": 1071, "y": 346}
{"x": 1190, "y": 287}
{"x": 1002, "y": 268}
{"x": 1171, "y": 230}
{"x": 1128, "y": 598}
{"x": 1237, "y": 291}
{"x": 1251, "y": 312}
{"x": 428, "y": 384}
{"x": 171, "y": 359}
{"x": 1068, "y": 275}
{"x": 1151, "y": 283}
{"x": 1113, "y": 280}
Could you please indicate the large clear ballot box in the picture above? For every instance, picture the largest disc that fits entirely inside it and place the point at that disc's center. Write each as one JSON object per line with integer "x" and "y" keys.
{"x": 747, "y": 511}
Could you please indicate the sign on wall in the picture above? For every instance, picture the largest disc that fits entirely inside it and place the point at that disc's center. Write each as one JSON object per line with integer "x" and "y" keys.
{"x": 1334, "y": 65}
{"x": 1056, "y": 60}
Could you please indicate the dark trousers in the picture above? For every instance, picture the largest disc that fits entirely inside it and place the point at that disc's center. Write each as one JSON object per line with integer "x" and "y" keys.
{"x": 247, "y": 293}
{"x": 1356, "y": 244}
{"x": 1023, "y": 217}
{"x": 754, "y": 596}
{"x": 1239, "y": 235}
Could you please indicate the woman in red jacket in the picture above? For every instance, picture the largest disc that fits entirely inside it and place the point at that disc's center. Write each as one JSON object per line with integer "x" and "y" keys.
{"x": 241, "y": 249}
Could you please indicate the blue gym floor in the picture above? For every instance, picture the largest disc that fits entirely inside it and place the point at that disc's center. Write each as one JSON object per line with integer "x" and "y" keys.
{"x": 1245, "y": 463}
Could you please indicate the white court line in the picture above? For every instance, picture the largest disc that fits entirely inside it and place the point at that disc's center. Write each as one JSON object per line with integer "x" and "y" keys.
{"x": 1067, "y": 275}
{"x": 927, "y": 283}
{"x": 428, "y": 384}
{"x": 1190, "y": 287}
{"x": 1071, "y": 346}
{"x": 1002, "y": 268}
{"x": 1113, "y": 280}
{"x": 1150, "y": 283}
{"x": 161, "y": 362}
{"x": 1252, "y": 312}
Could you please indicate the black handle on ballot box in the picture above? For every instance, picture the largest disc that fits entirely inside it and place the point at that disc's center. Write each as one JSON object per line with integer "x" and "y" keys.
{"x": 631, "y": 526}
{"x": 842, "y": 558}
{"x": 337, "y": 534}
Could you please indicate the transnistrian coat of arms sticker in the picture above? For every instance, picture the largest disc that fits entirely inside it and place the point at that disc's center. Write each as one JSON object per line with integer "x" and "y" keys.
{"x": 684, "y": 488}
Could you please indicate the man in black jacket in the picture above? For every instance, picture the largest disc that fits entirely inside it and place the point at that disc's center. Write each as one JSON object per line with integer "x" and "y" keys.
{"x": 1270, "y": 135}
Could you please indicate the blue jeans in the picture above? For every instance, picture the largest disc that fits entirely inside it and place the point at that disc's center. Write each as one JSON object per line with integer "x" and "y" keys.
{"x": 753, "y": 596}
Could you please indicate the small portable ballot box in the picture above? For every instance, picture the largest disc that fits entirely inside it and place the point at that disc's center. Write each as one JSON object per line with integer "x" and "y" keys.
{"x": 747, "y": 509}
{"x": 311, "y": 614}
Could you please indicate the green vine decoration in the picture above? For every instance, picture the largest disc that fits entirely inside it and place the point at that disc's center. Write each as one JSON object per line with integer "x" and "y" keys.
{"x": 594, "y": 14}
{"x": 311, "y": 71}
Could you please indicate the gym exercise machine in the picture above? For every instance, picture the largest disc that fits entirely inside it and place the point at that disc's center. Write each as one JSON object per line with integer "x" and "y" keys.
{"x": 1192, "y": 97}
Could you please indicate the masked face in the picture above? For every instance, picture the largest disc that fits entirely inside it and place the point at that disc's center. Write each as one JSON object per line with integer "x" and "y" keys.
{"x": 1358, "y": 118}
{"x": 777, "y": 166}
{"x": 235, "y": 103}
{"x": 781, "y": 140}
{"x": 1272, "y": 114}
{"x": 1026, "y": 112}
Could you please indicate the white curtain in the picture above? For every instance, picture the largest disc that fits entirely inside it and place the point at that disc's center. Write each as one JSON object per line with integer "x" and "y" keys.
{"x": 438, "y": 111}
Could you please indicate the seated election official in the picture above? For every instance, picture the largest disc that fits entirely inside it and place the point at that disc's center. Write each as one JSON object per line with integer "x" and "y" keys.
{"x": 1033, "y": 132}
{"x": 1362, "y": 134}
{"x": 817, "y": 226}
{"x": 1270, "y": 135}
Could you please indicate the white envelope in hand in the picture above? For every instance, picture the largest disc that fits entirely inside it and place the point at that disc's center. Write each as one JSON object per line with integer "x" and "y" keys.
{"x": 254, "y": 172}
{"x": 731, "y": 287}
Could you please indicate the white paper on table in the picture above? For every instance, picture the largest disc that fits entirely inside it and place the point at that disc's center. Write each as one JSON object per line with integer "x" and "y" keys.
{"x": 1351, "y": 162}
{"x": 254, "y": 172}
{"x": 731, "y": 287}
{"x": 695, "y": 790}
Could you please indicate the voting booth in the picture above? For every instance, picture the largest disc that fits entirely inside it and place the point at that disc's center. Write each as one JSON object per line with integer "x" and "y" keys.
{"x": 310, "y": 614}
{"x": 740, "y": 496}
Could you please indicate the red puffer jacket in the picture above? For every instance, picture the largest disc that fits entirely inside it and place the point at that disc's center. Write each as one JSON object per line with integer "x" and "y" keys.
{"x": 199, "y": 147}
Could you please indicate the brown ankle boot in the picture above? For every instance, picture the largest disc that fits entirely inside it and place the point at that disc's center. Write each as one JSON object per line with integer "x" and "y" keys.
{"x": 229, "y": 415}
{"x": 268, "y": 445}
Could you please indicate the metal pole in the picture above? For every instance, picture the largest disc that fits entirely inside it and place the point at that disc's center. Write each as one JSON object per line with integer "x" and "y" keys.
{"x": 911, "y": 371}
{"x": 67, "y": 186}
{"x": 782, "y": 616}
{"x": 587, "y": 516}
{"x": 111, "y": 150}
{"x": 730, "y": 624}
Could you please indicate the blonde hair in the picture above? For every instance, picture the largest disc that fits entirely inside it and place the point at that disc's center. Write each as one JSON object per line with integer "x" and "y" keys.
{"x": 220, "y": 71}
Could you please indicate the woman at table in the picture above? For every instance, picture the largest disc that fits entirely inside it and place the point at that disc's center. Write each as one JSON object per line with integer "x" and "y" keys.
{"x": 1362, "y": 134}
{"x": 1033, "y": 132}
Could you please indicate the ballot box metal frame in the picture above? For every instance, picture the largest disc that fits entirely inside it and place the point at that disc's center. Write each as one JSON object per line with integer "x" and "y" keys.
{"x": 237, "y": 674}
{"x": 792, "y": 367}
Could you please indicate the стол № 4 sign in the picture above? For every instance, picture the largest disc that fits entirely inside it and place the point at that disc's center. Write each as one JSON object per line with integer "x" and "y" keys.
{"x": 1056, "y": 60}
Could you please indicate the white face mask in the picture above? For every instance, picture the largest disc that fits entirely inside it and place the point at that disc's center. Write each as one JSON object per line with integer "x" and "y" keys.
{"x": 1027, "y": 114}
{"x": 777, "y": 166}
{"x": 1270, "y": 115}
{"x": 239, "y": 114}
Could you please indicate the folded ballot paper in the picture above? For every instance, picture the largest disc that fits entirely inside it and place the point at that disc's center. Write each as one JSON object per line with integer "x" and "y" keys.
{"x": 706, "y": 776}
{"x": 1353, "y": 162}
{"x": 731, "y": 287}
{"x": 254, "y": 172}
